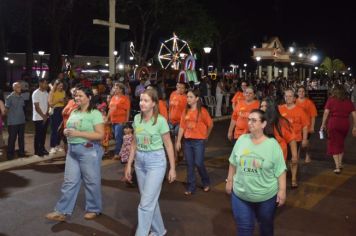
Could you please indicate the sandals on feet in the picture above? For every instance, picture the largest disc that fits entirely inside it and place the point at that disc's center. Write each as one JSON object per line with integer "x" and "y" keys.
{"x": 294, "y": 184}
{"x": 187, "y": 193}
{"x": 206, "y": 189}
{"x": 337, "y": 171}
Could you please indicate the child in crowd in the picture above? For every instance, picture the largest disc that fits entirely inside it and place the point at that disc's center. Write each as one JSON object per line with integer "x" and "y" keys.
{"x": 126, "y": 145}
{"x": 103, "y": 108}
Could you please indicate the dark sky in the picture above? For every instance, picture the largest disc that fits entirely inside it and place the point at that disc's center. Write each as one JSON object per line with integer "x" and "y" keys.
{"x": 329, "y": 26}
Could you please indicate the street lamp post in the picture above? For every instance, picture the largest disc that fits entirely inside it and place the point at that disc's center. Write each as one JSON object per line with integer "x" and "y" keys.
{"x": 115, "y": 55}
{"x": 207, "y": 51}
{"x": 259, "y": 72}
{"x": 41, "y": 53}
{"x": 292, "y": 64}
{"x": 245, "y": 66}
{"x": 11, "y": 70}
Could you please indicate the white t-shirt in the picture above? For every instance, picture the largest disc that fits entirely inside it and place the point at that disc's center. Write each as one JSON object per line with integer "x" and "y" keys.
{"x": 42, "y": 98}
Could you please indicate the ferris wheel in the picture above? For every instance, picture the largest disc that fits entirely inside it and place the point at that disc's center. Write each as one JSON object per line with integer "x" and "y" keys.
{"x": 173, "y": 52}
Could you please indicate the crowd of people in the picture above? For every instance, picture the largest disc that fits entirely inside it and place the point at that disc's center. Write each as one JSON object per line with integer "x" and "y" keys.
{"x": 271, "y": 125}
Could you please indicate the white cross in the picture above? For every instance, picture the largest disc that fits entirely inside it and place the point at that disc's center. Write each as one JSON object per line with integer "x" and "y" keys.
{"x": 112, "y": 26}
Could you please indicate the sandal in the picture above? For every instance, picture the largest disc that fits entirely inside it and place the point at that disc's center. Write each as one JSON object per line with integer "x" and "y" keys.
{"x": 337, "y": 171}
{"x": 206, "y": 189}
{"x": 187, "y": 193}
{"x": 294, "y": 184}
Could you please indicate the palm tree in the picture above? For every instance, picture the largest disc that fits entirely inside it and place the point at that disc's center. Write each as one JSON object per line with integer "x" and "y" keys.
{"x": 332, "y": 67}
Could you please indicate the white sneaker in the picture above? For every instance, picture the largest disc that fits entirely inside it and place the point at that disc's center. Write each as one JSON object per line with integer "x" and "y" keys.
{"x": 59, "y": 149}
{"x": 52, "y": 151}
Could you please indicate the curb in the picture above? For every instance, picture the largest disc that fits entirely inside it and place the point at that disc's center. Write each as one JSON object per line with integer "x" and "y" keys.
{"x": 34, "y": 159}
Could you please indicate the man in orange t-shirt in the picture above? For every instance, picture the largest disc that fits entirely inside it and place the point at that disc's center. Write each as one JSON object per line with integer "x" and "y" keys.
{"x": 119, "y": 113}
{"x": 309, "y": 108}
{"x": 299, "y": 122}
{"x": 177, "y": 104}
{"x": 239, "y": 95}
{"x": 239, "y": 119}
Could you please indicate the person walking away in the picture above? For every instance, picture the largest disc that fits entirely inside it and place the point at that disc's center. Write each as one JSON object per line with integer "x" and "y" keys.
{"x": 336, "y": 123}
{"x": 240, "y": 115}
{"x": 310, "y": 110}
{"x": 219, "y": 94}
{"x": 151, "y": 131}
{"x": 56, "y": 101}
{"x": 195, "y": 125}
{"x": 40, "y": 116}
{"x": 85, "y": 130}
{"x": 299, "y": 122}
{"x": 14, "y": 105}
{"x": 119, "y": 113}
{"x": 256, "y": 179}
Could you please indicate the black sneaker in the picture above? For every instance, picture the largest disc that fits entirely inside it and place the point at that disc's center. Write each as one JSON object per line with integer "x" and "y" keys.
{"x": 45, "y": 152}
{"x": 40, "y": 154}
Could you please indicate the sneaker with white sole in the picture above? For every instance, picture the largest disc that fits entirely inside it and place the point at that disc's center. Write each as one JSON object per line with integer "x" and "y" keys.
{"x": 59, "y": 149}
{"x": 52, "y": 151}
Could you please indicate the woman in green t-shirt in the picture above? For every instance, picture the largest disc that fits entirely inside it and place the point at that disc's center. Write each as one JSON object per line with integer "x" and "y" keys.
{"x": 256, "y": 178}
{"x": 151, "y": 132}
{"x": 85, "y": 130}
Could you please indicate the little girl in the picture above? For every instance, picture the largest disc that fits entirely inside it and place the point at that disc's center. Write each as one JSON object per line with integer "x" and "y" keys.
{"x": 103, "y": 108}
{"x": 126, "y": 145}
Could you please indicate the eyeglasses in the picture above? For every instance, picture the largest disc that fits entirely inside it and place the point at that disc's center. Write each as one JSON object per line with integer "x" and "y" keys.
{"x": 253, "y": 120}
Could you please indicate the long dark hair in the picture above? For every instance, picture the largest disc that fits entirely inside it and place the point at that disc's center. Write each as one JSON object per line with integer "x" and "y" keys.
{"x": 152, "y": 93}
{"x": 89, "y": 93}
{"x": 196, "y": 93}
{"x": 273, "y": 117}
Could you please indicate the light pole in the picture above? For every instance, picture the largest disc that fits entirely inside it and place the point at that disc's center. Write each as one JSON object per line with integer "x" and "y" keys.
{"x": 258, "y": 59}
{"x": 245, "y": 66}
{"x": 11, "y": 65}
{"x": 41, "y": 53}
{"x": 207, "y": 51}
{"x": 292, "y": 64}
{"x": 115, "y": 55}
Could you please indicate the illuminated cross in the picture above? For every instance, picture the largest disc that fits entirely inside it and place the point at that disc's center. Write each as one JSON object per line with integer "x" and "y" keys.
{"x": 112, "y": 26}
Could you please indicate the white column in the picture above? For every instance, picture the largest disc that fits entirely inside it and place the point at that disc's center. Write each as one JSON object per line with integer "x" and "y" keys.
{"x": 275, "y": 72}
{"x": 285, "y": 72}
{"x": 300, "y": 69}
{"x": 310, "y": 73}
{"x": 112, "y": 21}
{"x": 259, "y": 72}
{"x": 240, "y": 73}
{"x": 303, "y": 73}
{"x": 269, "y": 73}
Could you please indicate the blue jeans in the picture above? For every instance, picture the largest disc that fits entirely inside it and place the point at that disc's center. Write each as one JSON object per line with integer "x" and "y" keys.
{"x": 118, "y": 134}
{"x": 246, "y": 212}
{"x": 150, "y": 171}
{"x": 194, "y": 154}
{"x": 82, "y": 163}
{"x": 56, "y": 120}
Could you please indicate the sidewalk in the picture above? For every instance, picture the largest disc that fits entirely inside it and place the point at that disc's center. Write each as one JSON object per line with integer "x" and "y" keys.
{"x": 29, "y": 149}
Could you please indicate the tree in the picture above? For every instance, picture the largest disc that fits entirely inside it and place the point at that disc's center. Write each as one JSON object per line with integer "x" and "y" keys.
{"x": 332, "y": 67}
{"x": 2, "y": 46}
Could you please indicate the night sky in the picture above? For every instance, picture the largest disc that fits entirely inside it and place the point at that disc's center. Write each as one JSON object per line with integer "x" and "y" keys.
{"x": 329, "y": 26}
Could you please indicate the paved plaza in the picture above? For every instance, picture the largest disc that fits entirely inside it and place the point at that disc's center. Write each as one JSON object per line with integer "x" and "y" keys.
{"x": 324, "y": 204}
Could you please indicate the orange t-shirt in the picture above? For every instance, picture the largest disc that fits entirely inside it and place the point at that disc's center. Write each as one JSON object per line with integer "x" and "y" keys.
{"x": 119, "y": 108}
{"x": 196, "y": 128}
{"x": 308, "y": 107}
{"x": 297, "y": 119}
{"x": 177, "y": 104}
{"x": 162, "y": 108}
{"x": 288, "y": 136}
{"x": 240, "y": 115}
{"x": 239, "y": 96}
{"x": 71, "y": 106}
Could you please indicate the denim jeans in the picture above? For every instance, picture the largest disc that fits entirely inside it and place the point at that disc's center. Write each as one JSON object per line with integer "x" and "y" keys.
{"x": 56, "y": 120}
{"x": 15, "y": 132}
{"x": 246, "y": 212}
{"x": 40, "y": 136}
{"x": 118, "y": 134}
{"x": 150, "y": 171}
{"x": 82, "y": 164}
{"x": 194, "y": 154}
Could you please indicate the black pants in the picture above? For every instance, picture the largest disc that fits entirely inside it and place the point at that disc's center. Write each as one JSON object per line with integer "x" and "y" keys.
{"x": 40, "y": 136}
{"x": 15, "y": 131}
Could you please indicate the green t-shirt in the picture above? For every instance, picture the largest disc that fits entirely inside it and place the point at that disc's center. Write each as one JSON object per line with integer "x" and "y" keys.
{"x": 258, "y": 167}
{"x": 149, "y": 136}
{"x": 83, "y": 121}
